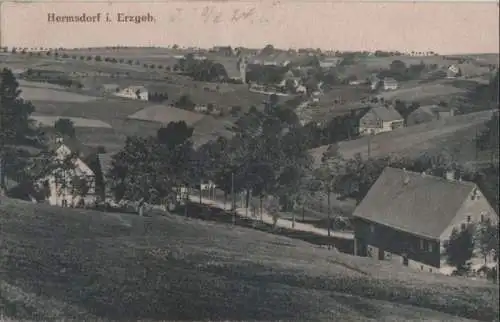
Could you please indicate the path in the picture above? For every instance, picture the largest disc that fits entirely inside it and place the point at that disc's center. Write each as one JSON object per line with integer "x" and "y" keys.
{"x": 284, "y": 223}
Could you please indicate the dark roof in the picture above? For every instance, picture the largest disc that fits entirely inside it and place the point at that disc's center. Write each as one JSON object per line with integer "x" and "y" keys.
{"x": 425, "y": 205}
{"x": 386, "y": 113}
{"x": 73, "y": 144}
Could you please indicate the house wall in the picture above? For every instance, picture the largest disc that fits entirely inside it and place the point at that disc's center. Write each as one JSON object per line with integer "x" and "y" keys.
{"x": 390, "y": 86}
{"x": 370, "y": 123}
{"x": 390, "y": 244}
{"x": 61, "y": 193}
{"x": 470, "y": 212}
{"x": 128, "y": 93}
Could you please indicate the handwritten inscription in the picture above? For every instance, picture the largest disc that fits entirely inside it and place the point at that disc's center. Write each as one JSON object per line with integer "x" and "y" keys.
{"x": 101, "y": 18}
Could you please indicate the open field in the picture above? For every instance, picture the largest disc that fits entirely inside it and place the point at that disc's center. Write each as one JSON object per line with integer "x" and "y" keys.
{"x": 77, "y": 121}
{"x": 421, "y": 92}
{"x": 117, "y": 112}
{"x": 166, "y": 114}
{"x": 53, "y": 95}
{"x": 63, "y": 263}
{"x": 413, "y": 140}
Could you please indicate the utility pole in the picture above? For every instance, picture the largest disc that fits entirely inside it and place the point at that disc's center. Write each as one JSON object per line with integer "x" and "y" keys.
{"x": 476, "y": 144}
{"x": 233, "y": 202}
{"x": 329, "y": 217}
{"x": 369, "y": 145}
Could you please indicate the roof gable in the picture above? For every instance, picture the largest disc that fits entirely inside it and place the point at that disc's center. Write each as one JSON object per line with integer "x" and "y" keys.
{"x": 386, "y": 114}
{"x": 423, "y": 205}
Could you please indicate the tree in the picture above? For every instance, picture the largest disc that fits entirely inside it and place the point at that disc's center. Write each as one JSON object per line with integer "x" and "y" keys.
{"x": 486, "y": 238}
{"x": 174, "y": 134}
{"x": 327, "y": 175}
{"x": 459, "y": 249}
{"x": 398, "y": 68}
{"x": 65, "y": 127}
{"x": 267, "y": 50}
{"x": 185, "y": 102}
{"x": 16, "y": 129}
{"x": 81, "y": 187}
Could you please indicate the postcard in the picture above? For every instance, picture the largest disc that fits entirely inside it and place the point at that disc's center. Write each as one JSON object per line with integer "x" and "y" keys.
{"x": 249, "y": 161}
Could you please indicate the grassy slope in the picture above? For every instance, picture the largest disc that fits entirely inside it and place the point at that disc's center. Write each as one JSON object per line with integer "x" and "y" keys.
{"x": 414, "y": 140}
{"x": 80, "y": 264}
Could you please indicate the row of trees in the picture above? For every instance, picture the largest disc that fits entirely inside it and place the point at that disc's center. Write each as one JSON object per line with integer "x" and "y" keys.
{"x": 266, "y": 157}
{"x": 97, "y": 58}
{"x": 202, "y": 70}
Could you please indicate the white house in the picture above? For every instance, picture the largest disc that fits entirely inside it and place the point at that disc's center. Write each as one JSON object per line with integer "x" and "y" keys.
{"x": 133, "y": 92}
{"x": 201, "y": 108}
{"x": 380, "y": 119}
{"x": 76, "y": 173}
{"x": 453, "y": 71}
{"x": 390, "y": 84}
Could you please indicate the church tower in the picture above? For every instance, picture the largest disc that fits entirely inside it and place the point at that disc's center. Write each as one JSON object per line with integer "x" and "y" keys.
{"x": 243, "y": 69}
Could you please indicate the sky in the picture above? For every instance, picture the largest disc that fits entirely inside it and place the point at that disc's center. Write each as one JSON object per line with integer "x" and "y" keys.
{"x": 443, "y": 27}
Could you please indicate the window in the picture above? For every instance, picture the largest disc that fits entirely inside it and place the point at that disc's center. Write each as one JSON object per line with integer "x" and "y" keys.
{"x": 422, "y": 244}
{"x": 463, "y": 226}
{"x": 430, "y": 248}
{"x": 468, "y": 219}
{"x": 430, "y": 270}
{"x": 421, "y": 267}
{"x": 372, "y": 228}
{"x": 64, "y": 203}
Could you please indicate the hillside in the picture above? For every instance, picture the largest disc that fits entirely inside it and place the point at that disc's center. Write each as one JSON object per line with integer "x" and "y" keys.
{"x": 87, "y": 265}
{"x": 455, "y": 134}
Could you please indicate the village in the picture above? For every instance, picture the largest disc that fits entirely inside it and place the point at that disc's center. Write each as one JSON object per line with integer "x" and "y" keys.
{"x": 386, "y": 156}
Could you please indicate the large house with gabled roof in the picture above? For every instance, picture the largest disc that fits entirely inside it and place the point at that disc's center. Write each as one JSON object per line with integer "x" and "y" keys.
{"x": 75, "y": 164}
{"x": 380, "y": 119}
{"x": 406, "y": 217}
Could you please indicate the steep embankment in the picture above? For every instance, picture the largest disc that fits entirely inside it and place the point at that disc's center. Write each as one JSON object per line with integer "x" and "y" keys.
{"x": 62, "y": 263}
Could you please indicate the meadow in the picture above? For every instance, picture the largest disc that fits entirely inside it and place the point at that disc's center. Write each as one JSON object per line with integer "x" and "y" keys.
{"x": 414, "y": 140}
{"x": 77, "y": 121}
{"x": 422, "y": 93}
{"x": 74, "y": 264}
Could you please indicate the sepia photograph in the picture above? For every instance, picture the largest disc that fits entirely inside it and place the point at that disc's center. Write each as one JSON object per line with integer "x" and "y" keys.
{"x": 249, "y": 161}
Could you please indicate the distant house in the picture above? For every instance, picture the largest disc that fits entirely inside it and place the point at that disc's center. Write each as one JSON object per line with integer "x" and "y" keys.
{"x": 429, "y": 113}
{"x": 224, "y": 50}
{"x": 380, "y": 119}
{"x": 329, "y": 62}
{"x": 110, "y": 88}
{"x": 357, "y": 82}
{"x": 84, "y": 169}
{"x": 407, "y": 217}
{"x": 133, "y": 92}
{"x": 390, "y": 84}
{"x": 201, "y": 108}
{"x": 453, "y": 71}
{"x": 467, "y": 70}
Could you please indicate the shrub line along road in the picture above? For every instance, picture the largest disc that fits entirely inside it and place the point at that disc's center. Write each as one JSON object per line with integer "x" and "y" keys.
{"x": 268, "y": 219}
